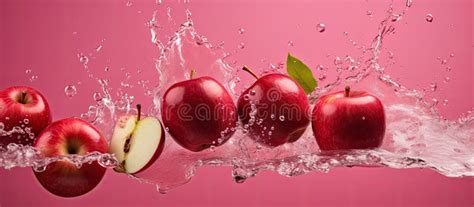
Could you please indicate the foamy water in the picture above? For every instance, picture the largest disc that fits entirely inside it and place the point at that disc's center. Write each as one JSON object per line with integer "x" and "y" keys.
{"x": 416, "y": 136}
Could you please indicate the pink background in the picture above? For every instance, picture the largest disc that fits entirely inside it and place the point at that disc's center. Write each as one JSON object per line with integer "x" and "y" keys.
{"x": 38, "y": 35}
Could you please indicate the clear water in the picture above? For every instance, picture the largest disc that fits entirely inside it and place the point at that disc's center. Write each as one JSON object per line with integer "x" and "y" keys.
{"x": 416, "y": 136}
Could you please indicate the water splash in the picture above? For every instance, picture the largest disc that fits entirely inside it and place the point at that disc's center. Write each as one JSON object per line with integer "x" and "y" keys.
{"x": 416, "y": 136}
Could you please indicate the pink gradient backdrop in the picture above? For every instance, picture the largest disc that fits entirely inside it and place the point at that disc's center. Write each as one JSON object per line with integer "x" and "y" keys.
{"x": 38, "y": 35}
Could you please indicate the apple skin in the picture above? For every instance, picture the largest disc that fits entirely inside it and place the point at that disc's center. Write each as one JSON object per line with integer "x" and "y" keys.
{"x": 279, "y": 95}
{"x": 352, "y": 121}
{"x": 66, "y": 137}
{"x": 197, "y": 111}
{"x": 14, "y": 109}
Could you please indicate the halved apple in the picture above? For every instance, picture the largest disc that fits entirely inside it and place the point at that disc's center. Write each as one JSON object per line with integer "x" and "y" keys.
{"x": 137, "y": 143}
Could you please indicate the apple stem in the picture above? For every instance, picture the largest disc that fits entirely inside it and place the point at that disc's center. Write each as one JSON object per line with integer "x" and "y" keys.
{"x": 191, "y": 75}
{"x": 347, "y": 90}
{"x": 139, "y": 111}
{"x": 248, "y": 70}
{"x": 23, "y": 97}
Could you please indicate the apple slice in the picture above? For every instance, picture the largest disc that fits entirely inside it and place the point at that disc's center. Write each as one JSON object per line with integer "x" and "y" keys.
{"x": 137, "y": 143}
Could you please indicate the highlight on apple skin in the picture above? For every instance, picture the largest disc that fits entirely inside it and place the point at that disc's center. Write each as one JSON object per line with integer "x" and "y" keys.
{"x": 274, "y": 109}
{"x": 137, "y": 142}
{"x": 199, "y": 113}
{"x": 70, "y": 136}
{"x": 23, "y": 108}
{"x": 347, "y": 120}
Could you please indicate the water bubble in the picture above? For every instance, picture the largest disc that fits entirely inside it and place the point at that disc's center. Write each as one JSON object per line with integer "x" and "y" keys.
{"x": 429, "y": 18}
{"x": 241, "y": 45}
{"x": 451, "y": 55}
{"x": 252, "y": 92}
{"x": 26, "y": 121}
{"x": 241, "y": 30}
{"x": 337, "y": 61}
{"x": 27, "y": 71}
{"x": 291, "y": 43}
{"x": 106, "y": 69}
{"x": 321, "y": 27}
{"x": 70, "y": 90}
{"x": 2, "y": 126}
{"x": 129, "y": 4}
{"x": 444, "y": 62}
{"x": 408, "y": 3}
{"x": 282, "y": 118}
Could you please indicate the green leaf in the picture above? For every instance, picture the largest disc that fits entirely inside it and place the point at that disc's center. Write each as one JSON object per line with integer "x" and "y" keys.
{"x": 301, "y": 73}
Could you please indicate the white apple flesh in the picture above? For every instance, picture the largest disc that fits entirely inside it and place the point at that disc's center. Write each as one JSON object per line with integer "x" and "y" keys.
{"x": 137, "y": 143}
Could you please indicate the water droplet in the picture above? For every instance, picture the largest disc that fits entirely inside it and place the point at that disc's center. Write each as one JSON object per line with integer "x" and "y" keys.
{"x": 445, "y": 102}
{"x": 26, "y": 121}
{"x": 282, "y": 118}
{"x": 433, "y": 86}
{"x": 246, "y": 97}
{"x": 70, "y": 90}
{"x": 449, "y": 68}
{"x": 270, "y": 133}
{"x": 363, "y": 118}
{"x": 33, "y": 78}
{"x": 291, "y": 43}
{"x": 369, "y": 13}
{"x": 39, "y": 168}
{"x": 2, "y": 126}
{"x": 252, "y": 92}
{"x": 408, "y": 3}
{"x": 241, "y": 31}
{"x": 27, "y": 71}
{"x": 321, "y": 27}
{"x": 322, "y": 77}
{"x": 444, "y": 62}
{"x": 129, "y": 4}
{"x": 241, "y": 45}
{"x": 97, "y": 96}
{"x": 429, "y": 18}
{"x": 106, "y": 69}
{"x": 396, "y": 17}
{"x": 451, "y": 55}
{"x": 447, "y": 79}
{"x": 273, "y": 117}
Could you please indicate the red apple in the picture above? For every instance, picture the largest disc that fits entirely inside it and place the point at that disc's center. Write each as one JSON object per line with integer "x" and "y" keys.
{"x": 70, "y": 137}
{"x": 348, "y": 120}
{"x": 24, "y": 109}
{"x": 274, "y": 109}
{"x": 199, "y": 113}
{"x": 137, "y": 142}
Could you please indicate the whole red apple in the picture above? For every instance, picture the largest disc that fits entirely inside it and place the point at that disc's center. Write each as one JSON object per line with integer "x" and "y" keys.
{"x": 274, "y": 109}
{"x": 348, "y": 120}
{"x": 70, "y": 136}
{"x": 24, "y": 113}
{"x": 199, "y": 113}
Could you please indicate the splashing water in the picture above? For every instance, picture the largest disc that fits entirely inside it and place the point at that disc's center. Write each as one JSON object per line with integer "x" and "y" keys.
{"x": 416, "y": 136}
